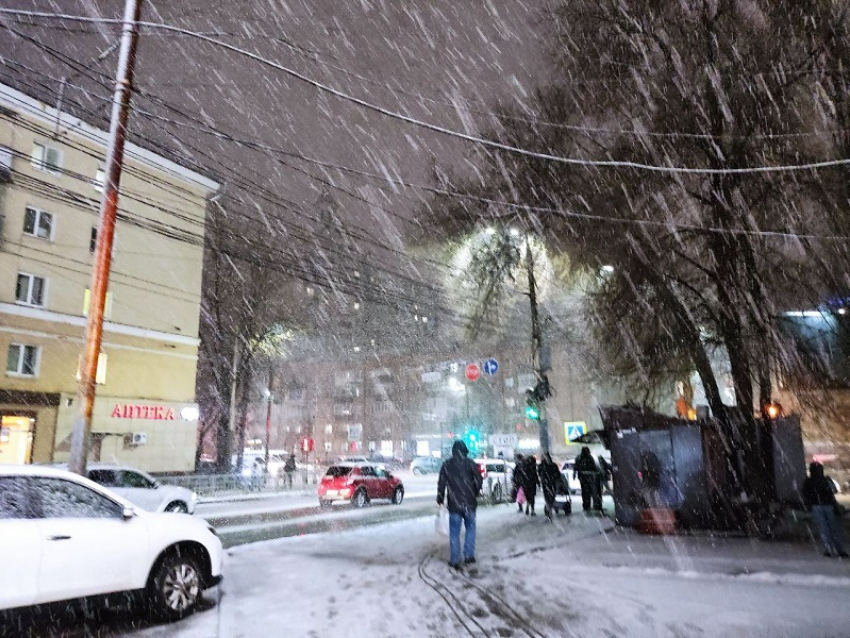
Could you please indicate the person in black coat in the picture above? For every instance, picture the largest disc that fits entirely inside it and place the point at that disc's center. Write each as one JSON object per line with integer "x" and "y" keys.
{"x": 587, "y": 472}
{"x": 517, "y": 479}
{"x": 820, "y": 501}
{"x": 550, "y": 479}
{"x": 529, "y": 482}
{"x": 458, "y": 486}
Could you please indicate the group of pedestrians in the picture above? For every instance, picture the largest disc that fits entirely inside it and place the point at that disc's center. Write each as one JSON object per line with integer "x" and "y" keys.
{"x": 528, "y": 476}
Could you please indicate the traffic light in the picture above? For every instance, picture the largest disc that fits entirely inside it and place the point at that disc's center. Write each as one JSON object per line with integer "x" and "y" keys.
{"x": 532, "y": 406}
{"x": 472, "y": 439}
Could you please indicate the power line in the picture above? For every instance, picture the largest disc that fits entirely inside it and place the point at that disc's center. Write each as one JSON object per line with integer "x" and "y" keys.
{"x": 501, "y": 203}
{"x": 316, "y": 57}
{"x": 572, "y": 161}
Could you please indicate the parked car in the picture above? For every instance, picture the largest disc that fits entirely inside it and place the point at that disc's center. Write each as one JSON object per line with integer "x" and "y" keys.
{"x": 425, "y": 465}
{"x": 389, "y": 462}
{"x": 141, "y": 489}
{"x": 497, "y": 475}
{"x": 74, "y": 539}
{"x": 359, "y": 483}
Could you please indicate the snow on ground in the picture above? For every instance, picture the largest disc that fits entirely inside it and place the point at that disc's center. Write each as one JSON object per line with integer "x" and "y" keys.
{"x": 577, "y": 577}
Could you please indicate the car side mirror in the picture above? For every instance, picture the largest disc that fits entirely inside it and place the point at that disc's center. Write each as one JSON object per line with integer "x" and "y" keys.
{"x": 127, "y": 513}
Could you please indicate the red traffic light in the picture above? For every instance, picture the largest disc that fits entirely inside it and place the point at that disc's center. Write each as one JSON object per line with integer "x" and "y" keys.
{"x": 308, "y": 445}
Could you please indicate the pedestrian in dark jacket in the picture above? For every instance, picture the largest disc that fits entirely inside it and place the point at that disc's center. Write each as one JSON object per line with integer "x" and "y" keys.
{"x": 516, "y": 479}
{"x": 289, "y": 470}
{"x": 529, "y": 483}
{"x": 605, "y": 473}
{"x": 820, "y": 501}
{"x": 550, "y": 479}
{"x": 587, "y": 472}
{"x": 458, "y": 486}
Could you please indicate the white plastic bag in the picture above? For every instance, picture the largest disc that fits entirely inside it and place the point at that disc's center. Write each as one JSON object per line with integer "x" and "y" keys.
{"x": 441, "y": 521}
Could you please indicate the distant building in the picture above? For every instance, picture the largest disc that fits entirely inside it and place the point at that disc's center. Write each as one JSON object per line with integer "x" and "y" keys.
{"x": 397, "y": 405}
{"x": 51, "y": 175}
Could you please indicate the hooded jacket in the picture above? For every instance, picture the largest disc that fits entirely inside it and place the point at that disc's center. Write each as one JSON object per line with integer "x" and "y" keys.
{"x": 459, "y": 477}
{"x": 817, "y": 489}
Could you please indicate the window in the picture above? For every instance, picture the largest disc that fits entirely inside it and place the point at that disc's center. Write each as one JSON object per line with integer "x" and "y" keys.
{"x": 99, "y": 180}
{"x": 30, "y": 289}
{"x": 93, "y": 239}
{"x": 38, "y": 223}
{"x": 46, "y": 158}
{"x": 100, "y": 374}
{"x": 134, "y": 479}
{"x": 107, "y": 308}
{"x": 65, "y": 499}
{"x": 14, "y": 498}
{"x": 106, "y": 478}
{"x": 22, "y": 359}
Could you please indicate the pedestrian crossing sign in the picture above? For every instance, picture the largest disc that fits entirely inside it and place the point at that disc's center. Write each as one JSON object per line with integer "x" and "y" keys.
{"x": 573, "y": 430}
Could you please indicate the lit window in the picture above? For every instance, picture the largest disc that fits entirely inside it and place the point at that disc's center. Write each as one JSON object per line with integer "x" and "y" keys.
{"x": 310, "y": 291}
{"x": 46, "y": 158}
{"x": 424, "y": 319}
{"x": 100, "y": 375}
{"x": 356, "y": 348}
{"x": 99, "y": 180}
{"x": 38, "y": 223}
{"x": 107, "y": 308}
{"x": 30, "y": 290}
{"x": 22, "y": 360}
{"x": 357, "y": 305}
{"x": 329, "y": 429}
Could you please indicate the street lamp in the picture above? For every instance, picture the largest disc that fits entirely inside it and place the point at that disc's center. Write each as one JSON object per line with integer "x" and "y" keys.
{"x": 267, "y": 393}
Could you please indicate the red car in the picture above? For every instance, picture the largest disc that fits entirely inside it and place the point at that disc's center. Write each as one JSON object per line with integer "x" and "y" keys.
{"x": 359, "y": 483}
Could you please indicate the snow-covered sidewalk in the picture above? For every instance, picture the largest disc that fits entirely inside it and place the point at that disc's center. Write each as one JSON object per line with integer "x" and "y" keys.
{"x": 577, "y": 577}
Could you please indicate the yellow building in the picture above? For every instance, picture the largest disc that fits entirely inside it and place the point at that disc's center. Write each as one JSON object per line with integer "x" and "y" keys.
{"x": 51, "y": 169}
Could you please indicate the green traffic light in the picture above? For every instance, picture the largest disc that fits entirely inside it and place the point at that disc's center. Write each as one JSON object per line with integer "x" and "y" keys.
{"x": 531, "y": 412}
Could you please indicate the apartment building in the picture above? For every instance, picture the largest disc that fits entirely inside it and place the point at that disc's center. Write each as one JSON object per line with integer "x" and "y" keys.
{"x": 51, "y": 174}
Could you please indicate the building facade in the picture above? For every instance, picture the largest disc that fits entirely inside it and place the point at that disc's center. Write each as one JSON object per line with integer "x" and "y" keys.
{"x": 51, "y": 175}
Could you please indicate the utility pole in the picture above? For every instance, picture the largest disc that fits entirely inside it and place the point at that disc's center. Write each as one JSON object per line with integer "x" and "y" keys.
{"x": 541, "y": 390}
{"x": 81, "y": 434}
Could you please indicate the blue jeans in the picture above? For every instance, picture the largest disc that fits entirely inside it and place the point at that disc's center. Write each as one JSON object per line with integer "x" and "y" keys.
{"x": 829, "y": 528}
{"x": 468, "y": 520}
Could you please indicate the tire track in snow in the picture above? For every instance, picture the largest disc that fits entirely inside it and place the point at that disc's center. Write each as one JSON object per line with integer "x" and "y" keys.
{"x": 466, "y": 610}
{"x": 446, "y": 594}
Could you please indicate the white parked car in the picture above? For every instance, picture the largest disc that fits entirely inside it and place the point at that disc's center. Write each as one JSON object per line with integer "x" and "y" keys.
{"x": 497, "y": 476}
{"x": 69, "y": 538}
{"x": 141, "y": 489}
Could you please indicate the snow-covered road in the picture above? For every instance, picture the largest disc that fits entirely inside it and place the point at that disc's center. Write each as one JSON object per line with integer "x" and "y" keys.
{"x": 577, "y": 577}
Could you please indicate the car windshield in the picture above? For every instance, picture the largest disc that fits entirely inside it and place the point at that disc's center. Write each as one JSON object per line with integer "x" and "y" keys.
{"x": 338, "y": 470}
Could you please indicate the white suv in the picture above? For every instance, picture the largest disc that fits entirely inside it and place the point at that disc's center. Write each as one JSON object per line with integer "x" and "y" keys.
{"x": 73, "y": 539}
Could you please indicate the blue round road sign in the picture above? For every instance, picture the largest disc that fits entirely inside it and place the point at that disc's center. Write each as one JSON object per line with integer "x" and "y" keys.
{"x": 491, "y": 366}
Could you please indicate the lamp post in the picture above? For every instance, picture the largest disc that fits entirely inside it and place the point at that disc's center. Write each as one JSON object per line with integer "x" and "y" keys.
{"x": 268, "y": 394}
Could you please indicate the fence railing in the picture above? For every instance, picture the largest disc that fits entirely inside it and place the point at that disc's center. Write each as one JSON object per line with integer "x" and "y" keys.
{"x": 212, "y": 484}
